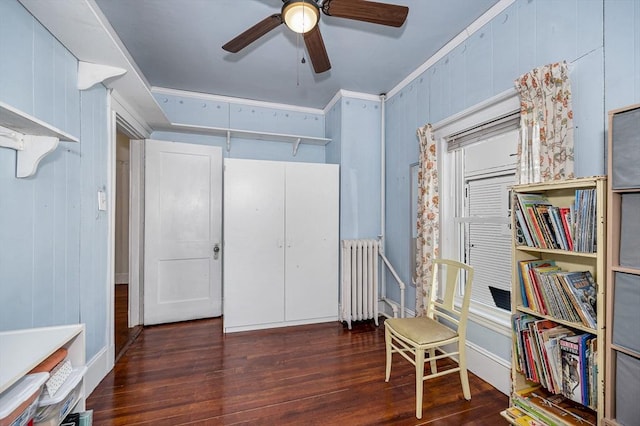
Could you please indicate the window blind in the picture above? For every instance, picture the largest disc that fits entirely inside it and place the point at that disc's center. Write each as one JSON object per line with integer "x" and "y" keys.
{"x": 484, "y": 131}
{"x": 488, "y": 238}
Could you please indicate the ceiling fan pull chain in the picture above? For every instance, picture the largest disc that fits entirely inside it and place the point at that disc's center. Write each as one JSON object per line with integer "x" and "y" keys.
{"x": 297, "y": 65}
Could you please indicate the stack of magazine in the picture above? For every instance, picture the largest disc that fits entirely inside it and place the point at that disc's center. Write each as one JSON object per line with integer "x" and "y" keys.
{"x": 543, "y": 225}
{"x": 538, "y": 407}
{"x": 555, "y": 357}
{"x": 549, "y": 290}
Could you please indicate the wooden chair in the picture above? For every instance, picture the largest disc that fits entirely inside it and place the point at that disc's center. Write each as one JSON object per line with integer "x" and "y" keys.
{"x": 444, "y": 324}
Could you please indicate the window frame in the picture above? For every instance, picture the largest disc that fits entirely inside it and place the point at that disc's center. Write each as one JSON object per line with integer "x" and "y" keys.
{"x": 496, "y": 314}
{"x": 501, "y": 105}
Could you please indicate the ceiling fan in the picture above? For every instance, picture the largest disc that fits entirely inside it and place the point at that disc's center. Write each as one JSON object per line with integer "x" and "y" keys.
{"x": 302, "y": 16}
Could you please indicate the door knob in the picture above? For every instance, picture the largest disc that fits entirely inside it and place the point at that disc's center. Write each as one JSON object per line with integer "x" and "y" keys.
{"x": 216, "y": 251}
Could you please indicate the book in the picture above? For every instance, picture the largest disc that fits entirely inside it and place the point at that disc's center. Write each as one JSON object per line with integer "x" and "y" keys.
{"x": 521, "y": 331}
{"x": 550, "y": 341}
{"x": 582, "y": 292}
{"x": 552, "y": 409}
{"x": 566, "y": 214}
{"x": 544, "y": 219}
{"x": 539, "y": 327}
{"x": 575, "y": 384}
{"x": 585, "y": 229}
{"x": 532, "y": 363}
{"x": 556, "y": 222}
{"x": 568, "y": 310}
{"x": 527, "y": 203}
{"x": 537, "y": 280}
{"x": 521, "y": 222}
{"x": 521, "y": 418}
{"x": 529, "y": 297}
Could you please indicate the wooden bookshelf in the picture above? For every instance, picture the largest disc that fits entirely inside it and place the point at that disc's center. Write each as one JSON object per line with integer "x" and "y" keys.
{"x": 531, "y": 397}
{"x": 622, "y": 349}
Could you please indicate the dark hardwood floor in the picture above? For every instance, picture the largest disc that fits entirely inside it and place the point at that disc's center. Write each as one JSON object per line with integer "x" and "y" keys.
{"x": 124, "y": 335}
{"x": 322, "y": 374}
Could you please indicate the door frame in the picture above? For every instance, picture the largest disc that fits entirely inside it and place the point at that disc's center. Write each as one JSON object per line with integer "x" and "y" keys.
{"x": 120, "y": 118}
{"x": 136, "y": 231}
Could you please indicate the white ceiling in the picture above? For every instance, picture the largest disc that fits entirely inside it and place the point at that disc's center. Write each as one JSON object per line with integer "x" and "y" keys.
{"x": 176, "y": 44}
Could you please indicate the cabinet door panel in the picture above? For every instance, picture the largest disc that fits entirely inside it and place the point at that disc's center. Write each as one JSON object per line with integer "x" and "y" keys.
{"x": 312, "y": 215}
{"x": 254, "y": 248}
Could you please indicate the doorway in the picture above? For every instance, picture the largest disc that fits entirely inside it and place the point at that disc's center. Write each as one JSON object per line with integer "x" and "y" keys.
{"x": 124, "y": 331}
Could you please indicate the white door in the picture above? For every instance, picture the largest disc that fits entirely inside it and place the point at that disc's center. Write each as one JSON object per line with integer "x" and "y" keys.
{"x": 253, "y": 243}
{"x": 312, "y": 212}
{"x": 183, "y": 227}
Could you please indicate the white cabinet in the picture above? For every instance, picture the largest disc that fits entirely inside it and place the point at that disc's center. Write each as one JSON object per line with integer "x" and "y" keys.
{"x": 280, "y": 244}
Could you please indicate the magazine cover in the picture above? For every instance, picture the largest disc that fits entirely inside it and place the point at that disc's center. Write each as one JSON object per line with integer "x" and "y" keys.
{"x": 584, "y": 295}
{"x": 572, "y": 368}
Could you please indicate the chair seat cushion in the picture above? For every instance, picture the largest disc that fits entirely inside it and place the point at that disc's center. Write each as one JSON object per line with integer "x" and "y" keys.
{"x": 421, "y": 330}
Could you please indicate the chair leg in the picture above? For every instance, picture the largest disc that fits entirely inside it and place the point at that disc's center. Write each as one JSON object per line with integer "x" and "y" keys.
{"x": 464, "y": 376}
{"x": 432, "y": 363}
{"x": 387, "y": 339}
{"x": 419, "y": 381}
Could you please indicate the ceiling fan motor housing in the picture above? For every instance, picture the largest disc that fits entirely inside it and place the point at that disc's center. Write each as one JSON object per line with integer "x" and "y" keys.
{"x": 300, "y": 16}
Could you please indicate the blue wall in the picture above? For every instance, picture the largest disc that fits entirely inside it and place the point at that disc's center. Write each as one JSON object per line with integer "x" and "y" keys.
{"x": 525, "y": 35}
{"x": 52, "y": 238}
{"x": 354, "y": 126}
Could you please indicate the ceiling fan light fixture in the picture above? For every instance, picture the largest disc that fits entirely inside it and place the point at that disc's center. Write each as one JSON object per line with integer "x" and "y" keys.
{"x": 300, "y": 16}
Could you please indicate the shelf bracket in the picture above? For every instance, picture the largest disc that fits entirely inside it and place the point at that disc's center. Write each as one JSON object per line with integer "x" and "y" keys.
{"x": 296, "y": 144}
{"x": 30, "y": 149}
{"x": 91, "y": 74}
{"x": 228, "y": 140}
{"x": 11, "y": 139}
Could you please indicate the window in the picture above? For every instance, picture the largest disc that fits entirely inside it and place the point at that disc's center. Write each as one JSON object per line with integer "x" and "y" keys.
{"x": 477, "y": 166}
{"x": 486, "y": 170}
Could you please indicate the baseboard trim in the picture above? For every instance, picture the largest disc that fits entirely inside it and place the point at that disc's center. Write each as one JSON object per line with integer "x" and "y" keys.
{"x": 490, "y": 368}
{"x": 122, "y": 278}
{"x": 97, "y": 369}
{"x": 251, "y": 327}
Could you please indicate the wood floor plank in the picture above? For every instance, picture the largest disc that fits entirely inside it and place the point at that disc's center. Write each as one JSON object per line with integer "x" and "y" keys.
{"x": 321, "y": 374}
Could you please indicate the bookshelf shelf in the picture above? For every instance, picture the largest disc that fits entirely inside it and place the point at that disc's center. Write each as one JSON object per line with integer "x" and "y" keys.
{"x": 542, "y": 301}
{"x": 622, "y": 347}
{"x": 557, "y": 252}
{"x": 557, "y": 320}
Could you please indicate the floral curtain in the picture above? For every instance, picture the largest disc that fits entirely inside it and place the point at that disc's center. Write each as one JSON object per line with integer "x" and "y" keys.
{"x": 428, "y": 225}
{"x": 545, "y": 151}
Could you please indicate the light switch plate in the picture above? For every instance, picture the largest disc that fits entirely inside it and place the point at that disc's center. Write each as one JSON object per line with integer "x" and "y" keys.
{"x": 102, "y": 200}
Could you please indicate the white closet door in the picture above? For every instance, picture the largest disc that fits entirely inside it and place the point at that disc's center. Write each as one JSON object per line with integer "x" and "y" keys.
{"x": 253, "y": 243}
{"x": 312, "y": 217}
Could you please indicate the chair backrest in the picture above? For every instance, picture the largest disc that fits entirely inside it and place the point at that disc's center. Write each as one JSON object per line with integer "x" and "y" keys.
{"x": 449, "y": 273}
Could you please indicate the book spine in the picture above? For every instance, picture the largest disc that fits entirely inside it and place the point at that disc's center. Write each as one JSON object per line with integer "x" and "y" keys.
{"x": 539, "y": 237}
{"x": 565, "y": 216}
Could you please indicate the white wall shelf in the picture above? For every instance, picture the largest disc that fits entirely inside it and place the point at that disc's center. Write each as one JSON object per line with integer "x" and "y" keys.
{"x": 296, "y": 140}
{"x": 32, "y": 138}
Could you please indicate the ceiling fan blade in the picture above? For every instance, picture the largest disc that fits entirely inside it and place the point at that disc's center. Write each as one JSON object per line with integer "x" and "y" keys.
{"x": 360, "y": 10}
{"x": 317, "y": 52}
{"x": 253, "y": 33}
